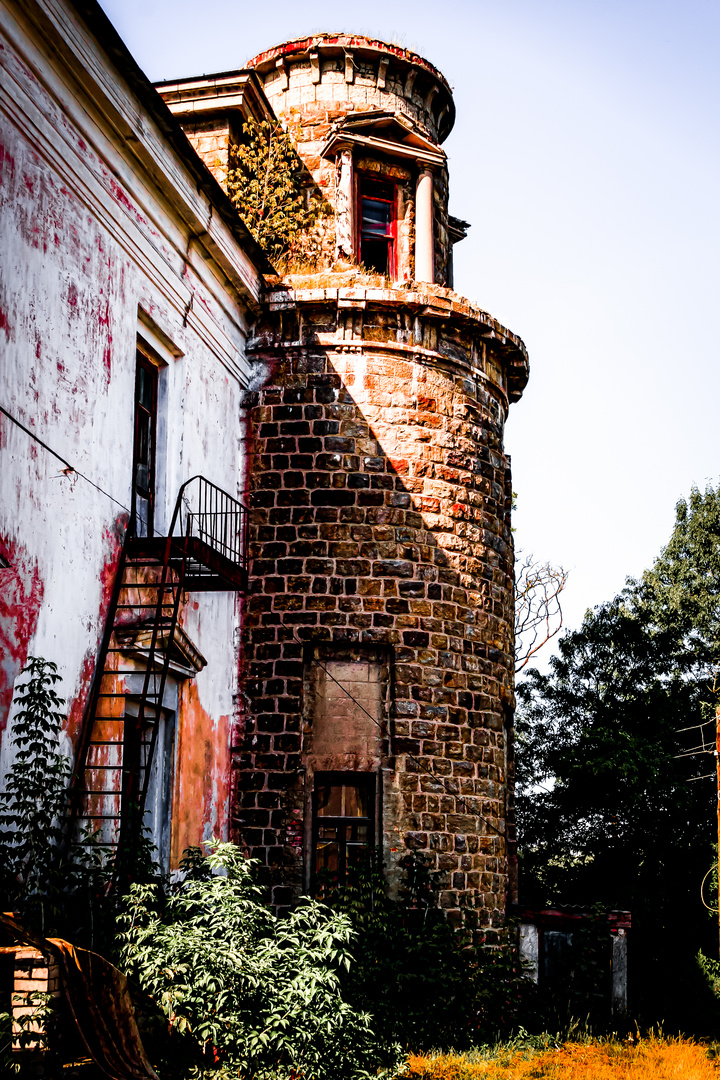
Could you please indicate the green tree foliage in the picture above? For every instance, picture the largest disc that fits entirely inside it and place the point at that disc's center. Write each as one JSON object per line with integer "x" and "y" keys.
{"x": 55, "y": 890}
{"x": 682, "y": 590}
{"x": 607, "y": 809}
{"x": 272, "y": 191}
{"x": 32, "y": 806}
{"x": 243, "y": 992}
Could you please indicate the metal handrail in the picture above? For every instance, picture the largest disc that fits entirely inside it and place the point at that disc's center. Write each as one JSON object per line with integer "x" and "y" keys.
{"x": 205, "y": 511}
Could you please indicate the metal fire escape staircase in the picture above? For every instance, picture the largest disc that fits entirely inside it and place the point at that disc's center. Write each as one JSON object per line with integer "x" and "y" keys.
{"x": 205, "y": 551}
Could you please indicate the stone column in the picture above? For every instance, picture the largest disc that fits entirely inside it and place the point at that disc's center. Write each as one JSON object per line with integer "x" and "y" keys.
{"x": 530, "y": 951}
{"x": 345, "y": 208}
{"x": 424, "y": 249}
{"x": 619, "y": 991}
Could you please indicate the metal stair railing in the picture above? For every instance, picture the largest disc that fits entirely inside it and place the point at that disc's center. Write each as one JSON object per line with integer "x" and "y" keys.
{"x": 206, "y": 547}
{"x": 207, "y": 514}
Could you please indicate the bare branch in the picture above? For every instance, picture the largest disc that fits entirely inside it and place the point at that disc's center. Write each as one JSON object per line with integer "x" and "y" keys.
{"x": 538, "y": 612}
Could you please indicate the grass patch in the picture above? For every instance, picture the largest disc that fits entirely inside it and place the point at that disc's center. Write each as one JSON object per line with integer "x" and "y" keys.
{"x": 653, "y": 1057}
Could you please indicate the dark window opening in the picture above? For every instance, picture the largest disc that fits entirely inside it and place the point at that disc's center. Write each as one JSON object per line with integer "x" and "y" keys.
{"x": 377, "y": 226}
{"x": 143, "y": 494}
{"x": 343, "y": 825}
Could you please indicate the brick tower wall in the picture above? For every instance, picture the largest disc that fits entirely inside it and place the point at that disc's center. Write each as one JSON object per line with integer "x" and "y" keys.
{"x": 342, "y": 73}
{"x": 380, "y": 518}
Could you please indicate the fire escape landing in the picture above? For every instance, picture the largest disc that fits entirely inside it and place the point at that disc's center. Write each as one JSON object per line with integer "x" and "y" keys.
{"x": 205, "y": 551}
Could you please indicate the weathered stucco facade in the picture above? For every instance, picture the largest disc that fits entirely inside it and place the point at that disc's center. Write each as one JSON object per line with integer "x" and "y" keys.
{"x": 119, "y": 250}
{"x": 377, "y": 658}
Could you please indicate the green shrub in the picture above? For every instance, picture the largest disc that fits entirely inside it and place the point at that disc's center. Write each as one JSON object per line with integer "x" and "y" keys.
{"x": 423, "y": 982}
{"x": 242, "y": 991}
{"x": 33, "y": 803}
{"x": 55, "y": 890}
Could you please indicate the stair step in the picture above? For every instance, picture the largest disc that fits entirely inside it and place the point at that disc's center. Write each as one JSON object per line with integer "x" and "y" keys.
{"x": 152, "y": 576}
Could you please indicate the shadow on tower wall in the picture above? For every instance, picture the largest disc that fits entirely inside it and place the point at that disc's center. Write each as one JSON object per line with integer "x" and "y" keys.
{"x": 380, "y": 516}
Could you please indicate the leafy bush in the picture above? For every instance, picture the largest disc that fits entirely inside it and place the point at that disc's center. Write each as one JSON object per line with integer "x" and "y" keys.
{"x": 274, "y": 194}
{"x": 244, "y": 992}
{"x": 424, "y": 983}
{"x": 33, "y": 803}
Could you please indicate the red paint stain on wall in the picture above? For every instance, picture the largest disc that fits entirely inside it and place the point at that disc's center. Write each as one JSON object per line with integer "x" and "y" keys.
{"x": 79, "y": 701}
{"x": 5, "y": 325}
{"x": 7, "y": 162}
{"x": 104, "y": 321}
{"x": 120, "y": 197}
{"x": 113, "y": 537}
{"x": 21, "y": 593}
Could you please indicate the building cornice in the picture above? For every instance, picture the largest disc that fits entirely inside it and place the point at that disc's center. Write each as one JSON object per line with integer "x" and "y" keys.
{"x": 431, "y": 303}
{"x": 232, "y": 91}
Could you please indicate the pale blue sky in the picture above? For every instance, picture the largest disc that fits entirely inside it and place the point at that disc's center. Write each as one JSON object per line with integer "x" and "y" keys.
{"x": 585, "y": 154}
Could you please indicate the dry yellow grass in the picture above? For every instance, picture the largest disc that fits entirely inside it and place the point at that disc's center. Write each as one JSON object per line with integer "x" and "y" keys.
{"x": 652, "y": 1058}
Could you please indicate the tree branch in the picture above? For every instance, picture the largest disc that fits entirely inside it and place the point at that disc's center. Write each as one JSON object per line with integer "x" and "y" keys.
{"x": 538, "y": 612}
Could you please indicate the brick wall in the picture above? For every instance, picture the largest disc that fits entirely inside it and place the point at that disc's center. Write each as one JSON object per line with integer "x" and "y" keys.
{"x": 36, "y": 983}
{"x": 380, "y": 499}
{"x": 296, "y": 88}
{"x": 211, "y": 139}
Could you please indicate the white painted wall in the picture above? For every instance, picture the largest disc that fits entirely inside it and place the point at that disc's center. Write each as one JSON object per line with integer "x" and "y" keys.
{"x": 99, "y": 217}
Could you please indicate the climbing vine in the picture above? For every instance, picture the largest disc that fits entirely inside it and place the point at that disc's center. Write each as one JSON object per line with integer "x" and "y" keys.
{"x": 273, "y": 194}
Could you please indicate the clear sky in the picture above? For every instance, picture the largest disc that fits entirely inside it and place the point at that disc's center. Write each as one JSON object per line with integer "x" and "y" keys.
{"x": 585, "y": 154}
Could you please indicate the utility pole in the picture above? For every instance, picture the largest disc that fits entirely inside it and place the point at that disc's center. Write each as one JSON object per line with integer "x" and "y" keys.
{"x": 717, "y": 764}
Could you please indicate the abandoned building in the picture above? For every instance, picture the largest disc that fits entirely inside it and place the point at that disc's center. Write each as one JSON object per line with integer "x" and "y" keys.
{"x": 128, "y": 288}
{"x": 329, "y": 674}
{"x": 378, "y": 634}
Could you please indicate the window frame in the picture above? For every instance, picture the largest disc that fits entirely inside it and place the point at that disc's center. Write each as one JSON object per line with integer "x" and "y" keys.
{"x": 143, "y": 363}
{"x": 391, "y": 238}
{"x": 368, "y": 780}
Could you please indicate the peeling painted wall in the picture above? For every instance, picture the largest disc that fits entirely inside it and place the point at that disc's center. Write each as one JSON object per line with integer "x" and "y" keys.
{"x": 99, "y": 218}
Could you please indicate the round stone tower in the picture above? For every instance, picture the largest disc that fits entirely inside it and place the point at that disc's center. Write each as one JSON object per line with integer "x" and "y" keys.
{"x": 379, "y": 626}
{"x": 366, "y": 116}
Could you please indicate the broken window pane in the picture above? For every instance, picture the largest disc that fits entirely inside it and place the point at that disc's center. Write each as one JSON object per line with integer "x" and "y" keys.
{"x": 343, "y": 826}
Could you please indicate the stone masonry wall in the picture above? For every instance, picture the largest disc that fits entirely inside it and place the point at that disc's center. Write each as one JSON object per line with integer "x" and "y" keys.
{"x": 310, "y": 100}
{"x": 380, "y": 515}
{"x": 211, "y": 140}
{"x": 356, "y": 75}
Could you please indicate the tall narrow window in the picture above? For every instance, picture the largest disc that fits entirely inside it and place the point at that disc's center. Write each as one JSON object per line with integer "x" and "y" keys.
{"x": 377, "y": 226}
{"x": 158, "y": 784}
{"x": 343, "y": 825}
{"x": 158, "y": 802}
{"x": 143, "y": 494}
